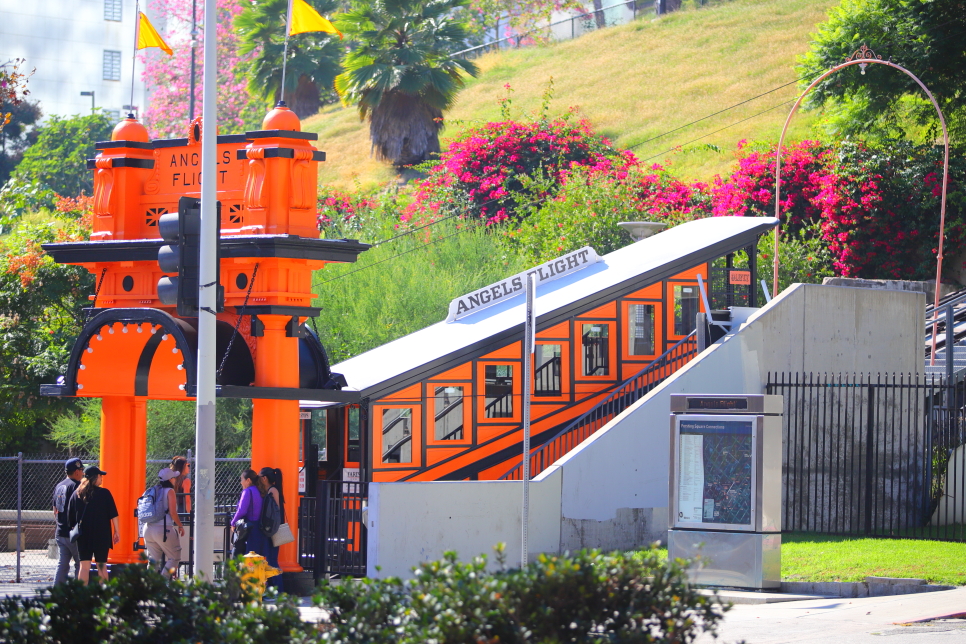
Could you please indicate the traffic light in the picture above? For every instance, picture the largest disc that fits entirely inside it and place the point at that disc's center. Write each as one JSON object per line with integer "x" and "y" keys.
{"x": 182, "y": 231}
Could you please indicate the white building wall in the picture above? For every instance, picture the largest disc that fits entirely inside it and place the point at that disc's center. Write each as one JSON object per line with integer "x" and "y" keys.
{"x": 611, "y": 492}
{"x": 65, "y": 41}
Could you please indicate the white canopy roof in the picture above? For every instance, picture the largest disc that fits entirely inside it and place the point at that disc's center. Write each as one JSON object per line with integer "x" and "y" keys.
{"x": 416, "y": 355}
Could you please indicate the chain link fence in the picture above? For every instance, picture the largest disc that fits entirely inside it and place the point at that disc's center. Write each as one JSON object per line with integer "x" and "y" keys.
{"x": 28, "y": 552}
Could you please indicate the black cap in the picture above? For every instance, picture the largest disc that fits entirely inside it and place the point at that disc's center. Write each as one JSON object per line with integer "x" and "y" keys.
{"x": 72, "y": 465}
{"x": 93, "y": 471}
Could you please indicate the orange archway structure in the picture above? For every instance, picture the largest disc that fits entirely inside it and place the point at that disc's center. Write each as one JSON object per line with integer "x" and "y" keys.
{"x": 134, "y": 349}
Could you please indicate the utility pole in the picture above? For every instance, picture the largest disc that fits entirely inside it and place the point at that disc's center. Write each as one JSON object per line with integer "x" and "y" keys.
{"x": 204, "y": 505}
{"x": 529, "y": 346}
{"x": 194, "y": 44}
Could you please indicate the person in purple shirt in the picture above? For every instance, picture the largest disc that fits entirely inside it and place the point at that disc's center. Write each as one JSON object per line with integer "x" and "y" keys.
{"x": 248, "y": 535}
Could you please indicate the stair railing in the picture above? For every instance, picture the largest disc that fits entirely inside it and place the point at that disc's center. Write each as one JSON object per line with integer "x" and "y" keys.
{"x": 632, "y": 390}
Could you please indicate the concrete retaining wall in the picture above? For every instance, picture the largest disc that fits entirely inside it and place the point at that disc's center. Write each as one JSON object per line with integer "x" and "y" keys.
{"x": 611, "y": 491}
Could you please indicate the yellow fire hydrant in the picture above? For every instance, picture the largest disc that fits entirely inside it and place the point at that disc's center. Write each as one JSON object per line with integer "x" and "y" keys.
{"x": 255, "y": 573}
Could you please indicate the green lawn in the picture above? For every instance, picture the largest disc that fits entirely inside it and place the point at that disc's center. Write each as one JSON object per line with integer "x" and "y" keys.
{"x": 633, "y": 82}
{"x": 814, "y": 557}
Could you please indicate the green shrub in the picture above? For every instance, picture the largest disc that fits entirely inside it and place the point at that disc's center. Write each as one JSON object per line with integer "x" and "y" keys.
{"x": 138, "y": 605}
{"x": 586, "y": 597}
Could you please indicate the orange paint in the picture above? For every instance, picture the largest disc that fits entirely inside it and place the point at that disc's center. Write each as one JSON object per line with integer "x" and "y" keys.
{"x": 124, "y": 444}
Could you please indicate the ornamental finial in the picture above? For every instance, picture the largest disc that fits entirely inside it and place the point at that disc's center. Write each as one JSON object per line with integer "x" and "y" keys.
{"x": 863, "y": 53}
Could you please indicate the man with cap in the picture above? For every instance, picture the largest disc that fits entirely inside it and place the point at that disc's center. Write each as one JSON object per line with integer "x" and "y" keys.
{"x": 66, "y": 549}
{"x": 164, "y": 546}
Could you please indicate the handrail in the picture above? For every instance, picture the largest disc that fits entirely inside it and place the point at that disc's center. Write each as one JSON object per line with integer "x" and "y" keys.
{"x": 959, "y": 297}
{"x": 639, "y": 389}
{"x": 498, "y": 400}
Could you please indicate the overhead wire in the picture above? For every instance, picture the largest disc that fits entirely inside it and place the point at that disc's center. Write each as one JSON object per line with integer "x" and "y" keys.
{"x": 631, "y": 147}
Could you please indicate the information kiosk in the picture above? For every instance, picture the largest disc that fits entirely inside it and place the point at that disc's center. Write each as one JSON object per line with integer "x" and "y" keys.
{"x": 725, "y": 491}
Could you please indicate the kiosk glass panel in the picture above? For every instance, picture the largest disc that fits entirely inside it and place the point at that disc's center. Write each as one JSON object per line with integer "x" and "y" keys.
{"x": 686, "y": 308}
{"x": 716, "y": 471}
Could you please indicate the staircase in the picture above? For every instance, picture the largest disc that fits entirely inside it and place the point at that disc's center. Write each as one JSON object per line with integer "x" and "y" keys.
{"x": 629, "y": 392}
{"x": 950, "y": 336}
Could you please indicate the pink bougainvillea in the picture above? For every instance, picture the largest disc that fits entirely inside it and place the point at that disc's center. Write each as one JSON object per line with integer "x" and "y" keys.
{"x": 169, "y": 77}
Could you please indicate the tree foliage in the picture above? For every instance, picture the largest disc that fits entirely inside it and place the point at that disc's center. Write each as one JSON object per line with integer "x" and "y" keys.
{"x": 40, "y": 316}
{"x": 13, "y": 88}
{"x": 313, "y": 58}
{"x": 169, "y": 77}
{"x": 17, "y": 135}
{"x": 924, "y": 36}
{"x": 58, "y": 159}
{"x": 400, "y": 73}
{"x": 171, "y": 427}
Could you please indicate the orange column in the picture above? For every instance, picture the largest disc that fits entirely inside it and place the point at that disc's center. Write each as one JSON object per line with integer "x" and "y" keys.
{"x": 124, "y": 446}
{"x": 275, "y": 423}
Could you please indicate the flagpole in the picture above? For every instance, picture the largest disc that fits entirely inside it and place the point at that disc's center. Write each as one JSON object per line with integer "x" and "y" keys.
{"x": 288, "y": 27}
{"x": 134, "y": 56}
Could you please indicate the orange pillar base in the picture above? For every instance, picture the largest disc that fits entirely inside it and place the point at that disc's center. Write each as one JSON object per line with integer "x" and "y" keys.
{"x": 124, "y": 446}
{"x": 275, "y": 423}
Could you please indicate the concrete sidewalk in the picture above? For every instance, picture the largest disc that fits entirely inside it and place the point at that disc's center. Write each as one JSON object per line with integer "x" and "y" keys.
{"x": 901, "y": 619}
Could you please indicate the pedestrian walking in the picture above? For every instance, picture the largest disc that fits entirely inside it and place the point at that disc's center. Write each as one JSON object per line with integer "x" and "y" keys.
{"x": 66, "y": 549}
{"x": 246, "y": 530}
{"x": 160, "y": 525}
{"x": 270, "y": 482}
{"x": 92, "y": 508}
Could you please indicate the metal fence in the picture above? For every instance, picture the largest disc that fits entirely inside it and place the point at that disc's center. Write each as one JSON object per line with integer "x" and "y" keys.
{"x": 27, "y": 524}
{"x": 339, "y": 516}
{"x": 873, "y": 455}
{"x": 568, "y": 28}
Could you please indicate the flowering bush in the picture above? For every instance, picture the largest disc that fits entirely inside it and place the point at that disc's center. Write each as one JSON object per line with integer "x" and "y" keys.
{"x": 489, "y": 170}
{"x": 750, "y": 189}
{"x": 869, "y": 203}
{"x": 593, "y": 199}
{"x": 169, "y": 77}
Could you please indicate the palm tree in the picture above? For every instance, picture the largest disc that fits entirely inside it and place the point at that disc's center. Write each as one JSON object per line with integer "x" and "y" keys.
{"x": 400, "y": 73}
{"x": 313, "y": 58}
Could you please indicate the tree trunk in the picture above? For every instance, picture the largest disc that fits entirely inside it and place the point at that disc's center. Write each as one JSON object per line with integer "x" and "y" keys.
{"x": 599, "y": 14}
{"x": 404, "y": 130}
{"x": 305, "y": 100}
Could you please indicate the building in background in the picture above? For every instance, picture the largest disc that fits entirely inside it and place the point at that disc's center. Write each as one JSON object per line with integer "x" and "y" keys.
{"x": 77, "y": 46}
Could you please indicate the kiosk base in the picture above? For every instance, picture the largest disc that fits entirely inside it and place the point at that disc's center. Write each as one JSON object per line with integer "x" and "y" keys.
{"x": 732, "y": 559}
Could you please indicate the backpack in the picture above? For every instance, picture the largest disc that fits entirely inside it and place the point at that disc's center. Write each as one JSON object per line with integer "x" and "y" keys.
{"x": 271, "y": 515}
{"x": 153, "y": 505}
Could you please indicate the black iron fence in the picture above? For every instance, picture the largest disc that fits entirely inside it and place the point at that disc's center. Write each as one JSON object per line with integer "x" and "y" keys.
{"x": 873, "y": 455}
{"x": 340, "y": 534}
{"x": 27, "y": 523}
{"x": 620, "y": 399}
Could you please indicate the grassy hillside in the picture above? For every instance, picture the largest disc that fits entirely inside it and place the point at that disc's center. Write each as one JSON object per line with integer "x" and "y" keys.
{"x": 633, "y": 82}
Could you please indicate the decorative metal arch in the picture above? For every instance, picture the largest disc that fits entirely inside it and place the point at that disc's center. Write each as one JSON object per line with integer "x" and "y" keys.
{"x": 863, "y": 57}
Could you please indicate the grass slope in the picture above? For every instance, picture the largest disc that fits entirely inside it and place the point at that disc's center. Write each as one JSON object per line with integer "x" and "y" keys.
{"x": 819, "y": 557}
{"x": 634, "y": 82}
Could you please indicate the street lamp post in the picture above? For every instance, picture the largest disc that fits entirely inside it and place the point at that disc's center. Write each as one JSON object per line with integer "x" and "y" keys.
{"x": 863, "y": 57}
{"x": 91, "y": 94}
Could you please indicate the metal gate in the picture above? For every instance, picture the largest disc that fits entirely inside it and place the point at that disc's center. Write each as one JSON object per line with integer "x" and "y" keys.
{"x": 341, "y": 535}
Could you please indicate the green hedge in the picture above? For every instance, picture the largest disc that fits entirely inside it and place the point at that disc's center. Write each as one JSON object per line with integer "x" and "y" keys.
{"x": 587, "y": 597}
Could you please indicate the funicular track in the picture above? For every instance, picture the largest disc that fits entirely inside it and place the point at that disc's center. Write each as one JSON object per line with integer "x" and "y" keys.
{"x": 629, "y": 392}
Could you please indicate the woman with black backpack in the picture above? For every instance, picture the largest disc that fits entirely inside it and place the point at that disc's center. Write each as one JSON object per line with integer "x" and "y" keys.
{"x": 270, "y": 483}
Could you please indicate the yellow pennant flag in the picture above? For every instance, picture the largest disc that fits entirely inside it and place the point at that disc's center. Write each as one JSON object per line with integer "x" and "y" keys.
{"x": 305, "y": 18}
{"x": 148, "y": 36}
